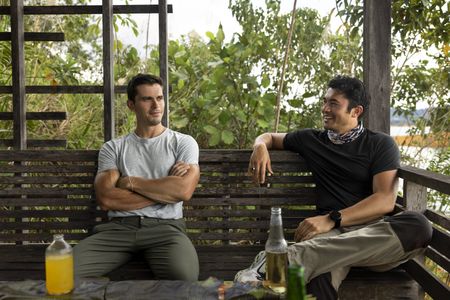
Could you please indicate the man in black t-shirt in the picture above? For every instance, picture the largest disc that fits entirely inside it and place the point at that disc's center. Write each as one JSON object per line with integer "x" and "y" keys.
{"x": 355, "y": 170}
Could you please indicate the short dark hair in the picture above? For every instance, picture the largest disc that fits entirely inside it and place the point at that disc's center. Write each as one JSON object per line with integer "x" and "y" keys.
{"x": 353, "y": 89}
{"x": 140, "y": 79}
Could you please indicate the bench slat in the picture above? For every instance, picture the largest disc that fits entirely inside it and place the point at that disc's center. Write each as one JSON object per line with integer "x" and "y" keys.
{"x": 438, "y": 258}
{"x": 429, "y": 282}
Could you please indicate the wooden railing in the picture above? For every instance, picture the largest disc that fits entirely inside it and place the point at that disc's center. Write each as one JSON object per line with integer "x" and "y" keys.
{"x": 416, "y": 183}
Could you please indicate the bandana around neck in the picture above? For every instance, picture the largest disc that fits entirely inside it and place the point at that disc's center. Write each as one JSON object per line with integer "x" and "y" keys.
{"x": 347, "y": 137}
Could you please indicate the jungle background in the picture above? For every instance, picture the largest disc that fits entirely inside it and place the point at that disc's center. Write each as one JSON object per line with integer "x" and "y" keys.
{"x": 223, "y": 91}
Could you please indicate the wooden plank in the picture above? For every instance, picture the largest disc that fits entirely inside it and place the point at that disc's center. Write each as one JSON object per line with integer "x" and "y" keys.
{"x": 51, "y": 115}
{"x": 46, "y": 191}
{"x": 220, "y": 179}
{"x": 50, "y": 155}
{"x": 239, "y": 213}
{"x": 48, "y": 169}
{"x": 108, "y": 70}
{"x": 85, "y": 214}
{"x": 440, "y": 241}
{"x": 377, "y": 63}
{"x": 438, "y": 218}
{"x": 249, "y": 191}
{"x": 429, "y": 282}
{"x": 47, "y": 179}
{"x": 438, "y": 182}
{"x": 64, "y": 89}
{"x": 36, "y": 36}
{"x": 47, "y": 202}
{"x": 18, "y": 76}
{"x": 41, "y": 237}
{"x": 196, "y": 202}
{"x": 36, "y": 143}
{"x": 227, "y": 224}
{"x": 438, "y": 258}
{"x": 85, "y": 9}
{"x": 163, "y": 57}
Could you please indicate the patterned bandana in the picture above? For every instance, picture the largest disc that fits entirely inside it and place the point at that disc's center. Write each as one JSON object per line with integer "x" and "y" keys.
{"x": 347, "y": 137}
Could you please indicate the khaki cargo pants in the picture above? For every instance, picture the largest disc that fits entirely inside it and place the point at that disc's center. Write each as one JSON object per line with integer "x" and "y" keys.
{"x": 380, "y": 246}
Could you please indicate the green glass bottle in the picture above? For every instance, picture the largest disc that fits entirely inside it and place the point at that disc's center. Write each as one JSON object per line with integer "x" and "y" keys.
{"x": 296, "y": 284}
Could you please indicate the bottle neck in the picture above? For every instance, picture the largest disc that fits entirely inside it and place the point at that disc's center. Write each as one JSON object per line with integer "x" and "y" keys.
{"x": 276, "y": 225}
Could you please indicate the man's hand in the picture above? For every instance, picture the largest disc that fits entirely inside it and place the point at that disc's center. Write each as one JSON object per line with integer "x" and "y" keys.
{"x": 259, "y": 164}
{"x": 311, "y": 227}
{"x": 179, "y": 169}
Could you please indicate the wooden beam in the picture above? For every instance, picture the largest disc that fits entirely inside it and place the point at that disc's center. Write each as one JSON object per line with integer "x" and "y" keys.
{"x": 108, "y": 70}
{"x": 377, "y": 63}
{"x": 36, "y": 36}
{"x": 37, "y": 143}
{"x": 51, "y": 115}
{"x": 65, "y": 89}
{"x": 435, "y": 181}
{"x": 18, "y": 75}
{"x": 163, "y": 58}
{"x": 85, "y": 9}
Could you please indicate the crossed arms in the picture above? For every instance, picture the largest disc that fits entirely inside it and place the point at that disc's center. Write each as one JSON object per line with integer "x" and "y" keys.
{"x": 381, "y": 202}
{"x": 131, "y": 192}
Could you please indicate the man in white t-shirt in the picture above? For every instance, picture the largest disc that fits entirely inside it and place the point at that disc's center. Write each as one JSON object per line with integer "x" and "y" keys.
{"x": 142, "y": 181}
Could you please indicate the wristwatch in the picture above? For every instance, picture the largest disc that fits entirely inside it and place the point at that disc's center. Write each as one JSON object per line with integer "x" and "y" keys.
{"x": 335, "y": 216}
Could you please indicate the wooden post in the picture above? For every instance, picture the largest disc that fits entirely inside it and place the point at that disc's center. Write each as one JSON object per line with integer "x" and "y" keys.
{"x": 415, "y": 196}
{"x": 163, "y": 58}
{"x": 377, "y": 63}
{"x": 108, "y": 70}
{"x": 18, "y": 76}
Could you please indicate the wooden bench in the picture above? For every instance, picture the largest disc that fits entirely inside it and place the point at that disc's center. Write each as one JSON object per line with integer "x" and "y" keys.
{"x": 45, "y": 192}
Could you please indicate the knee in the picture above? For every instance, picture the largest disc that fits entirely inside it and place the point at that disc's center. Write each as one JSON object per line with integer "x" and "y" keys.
{"x": 185, "y": 268}
{"x": 412, "y": 228}
{"x": 321, "y": 287}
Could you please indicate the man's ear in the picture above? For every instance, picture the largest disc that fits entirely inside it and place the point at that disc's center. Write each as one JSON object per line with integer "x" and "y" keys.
{"x": 357, "y": 111}
{"x": 130, "y": 105}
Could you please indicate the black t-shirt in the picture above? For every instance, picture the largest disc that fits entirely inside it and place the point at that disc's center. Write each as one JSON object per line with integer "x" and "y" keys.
{"x": 343, "y": 173}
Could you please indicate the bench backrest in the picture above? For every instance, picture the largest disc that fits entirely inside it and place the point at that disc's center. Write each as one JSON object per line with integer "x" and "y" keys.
{"x": 47, "y": 192}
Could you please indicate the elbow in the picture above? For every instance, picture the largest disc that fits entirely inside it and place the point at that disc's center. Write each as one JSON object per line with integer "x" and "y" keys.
{"x": 103, "y": 202}
{"x": 186, "y": 196}
{"x": 390, "y": 205}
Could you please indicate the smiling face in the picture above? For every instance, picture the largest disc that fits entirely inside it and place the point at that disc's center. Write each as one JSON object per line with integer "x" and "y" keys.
{"x": 336, "y": 115}
{"x": 148, "y": 105}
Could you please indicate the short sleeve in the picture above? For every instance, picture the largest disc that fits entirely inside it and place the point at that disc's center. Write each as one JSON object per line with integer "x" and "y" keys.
{"x": 107, "y": 158}
{"x": 293, "y": 140}
{"x": 188, "y": 150}
{"x": 386, "y": 156}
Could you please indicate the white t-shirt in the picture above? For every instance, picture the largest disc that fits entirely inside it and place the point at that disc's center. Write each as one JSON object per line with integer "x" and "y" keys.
{"x": 149, "y": 158}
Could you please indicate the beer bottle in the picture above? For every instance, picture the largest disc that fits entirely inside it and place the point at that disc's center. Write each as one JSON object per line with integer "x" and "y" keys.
{"x": 276, "y": 254}
{"x": 59, "y": 267}
{"x": 296, "y": 283}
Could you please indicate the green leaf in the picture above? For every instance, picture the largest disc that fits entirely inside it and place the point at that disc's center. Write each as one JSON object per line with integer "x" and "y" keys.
{"x": 180, "y": 84}
{"x": 227, "y": 137}
{"x": 210, "y": 129}
{"x": 220, "y": 34}
{"x": 214, "y": 139}
{"x": 210, "y": 35}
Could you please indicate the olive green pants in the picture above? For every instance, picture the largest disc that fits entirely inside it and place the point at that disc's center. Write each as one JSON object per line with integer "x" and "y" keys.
{"x": 163, "y": 243}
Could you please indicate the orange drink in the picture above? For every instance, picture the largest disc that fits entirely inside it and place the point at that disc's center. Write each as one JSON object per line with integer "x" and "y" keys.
{"x": 59, "y": 274}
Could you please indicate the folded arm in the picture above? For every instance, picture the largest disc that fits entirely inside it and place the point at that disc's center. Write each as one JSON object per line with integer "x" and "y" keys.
{"x": 178, "y": 186}
{"x": 381, "y": 202}
{"x": 111, "y": 197}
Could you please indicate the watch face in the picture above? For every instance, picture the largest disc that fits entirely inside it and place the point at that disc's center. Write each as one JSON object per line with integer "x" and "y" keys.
{"x": 335, "y": 215}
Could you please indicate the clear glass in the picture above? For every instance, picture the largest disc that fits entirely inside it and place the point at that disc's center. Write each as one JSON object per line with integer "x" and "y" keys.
{"x": 59, "y": 267}
{"x": 276, "y": 253}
